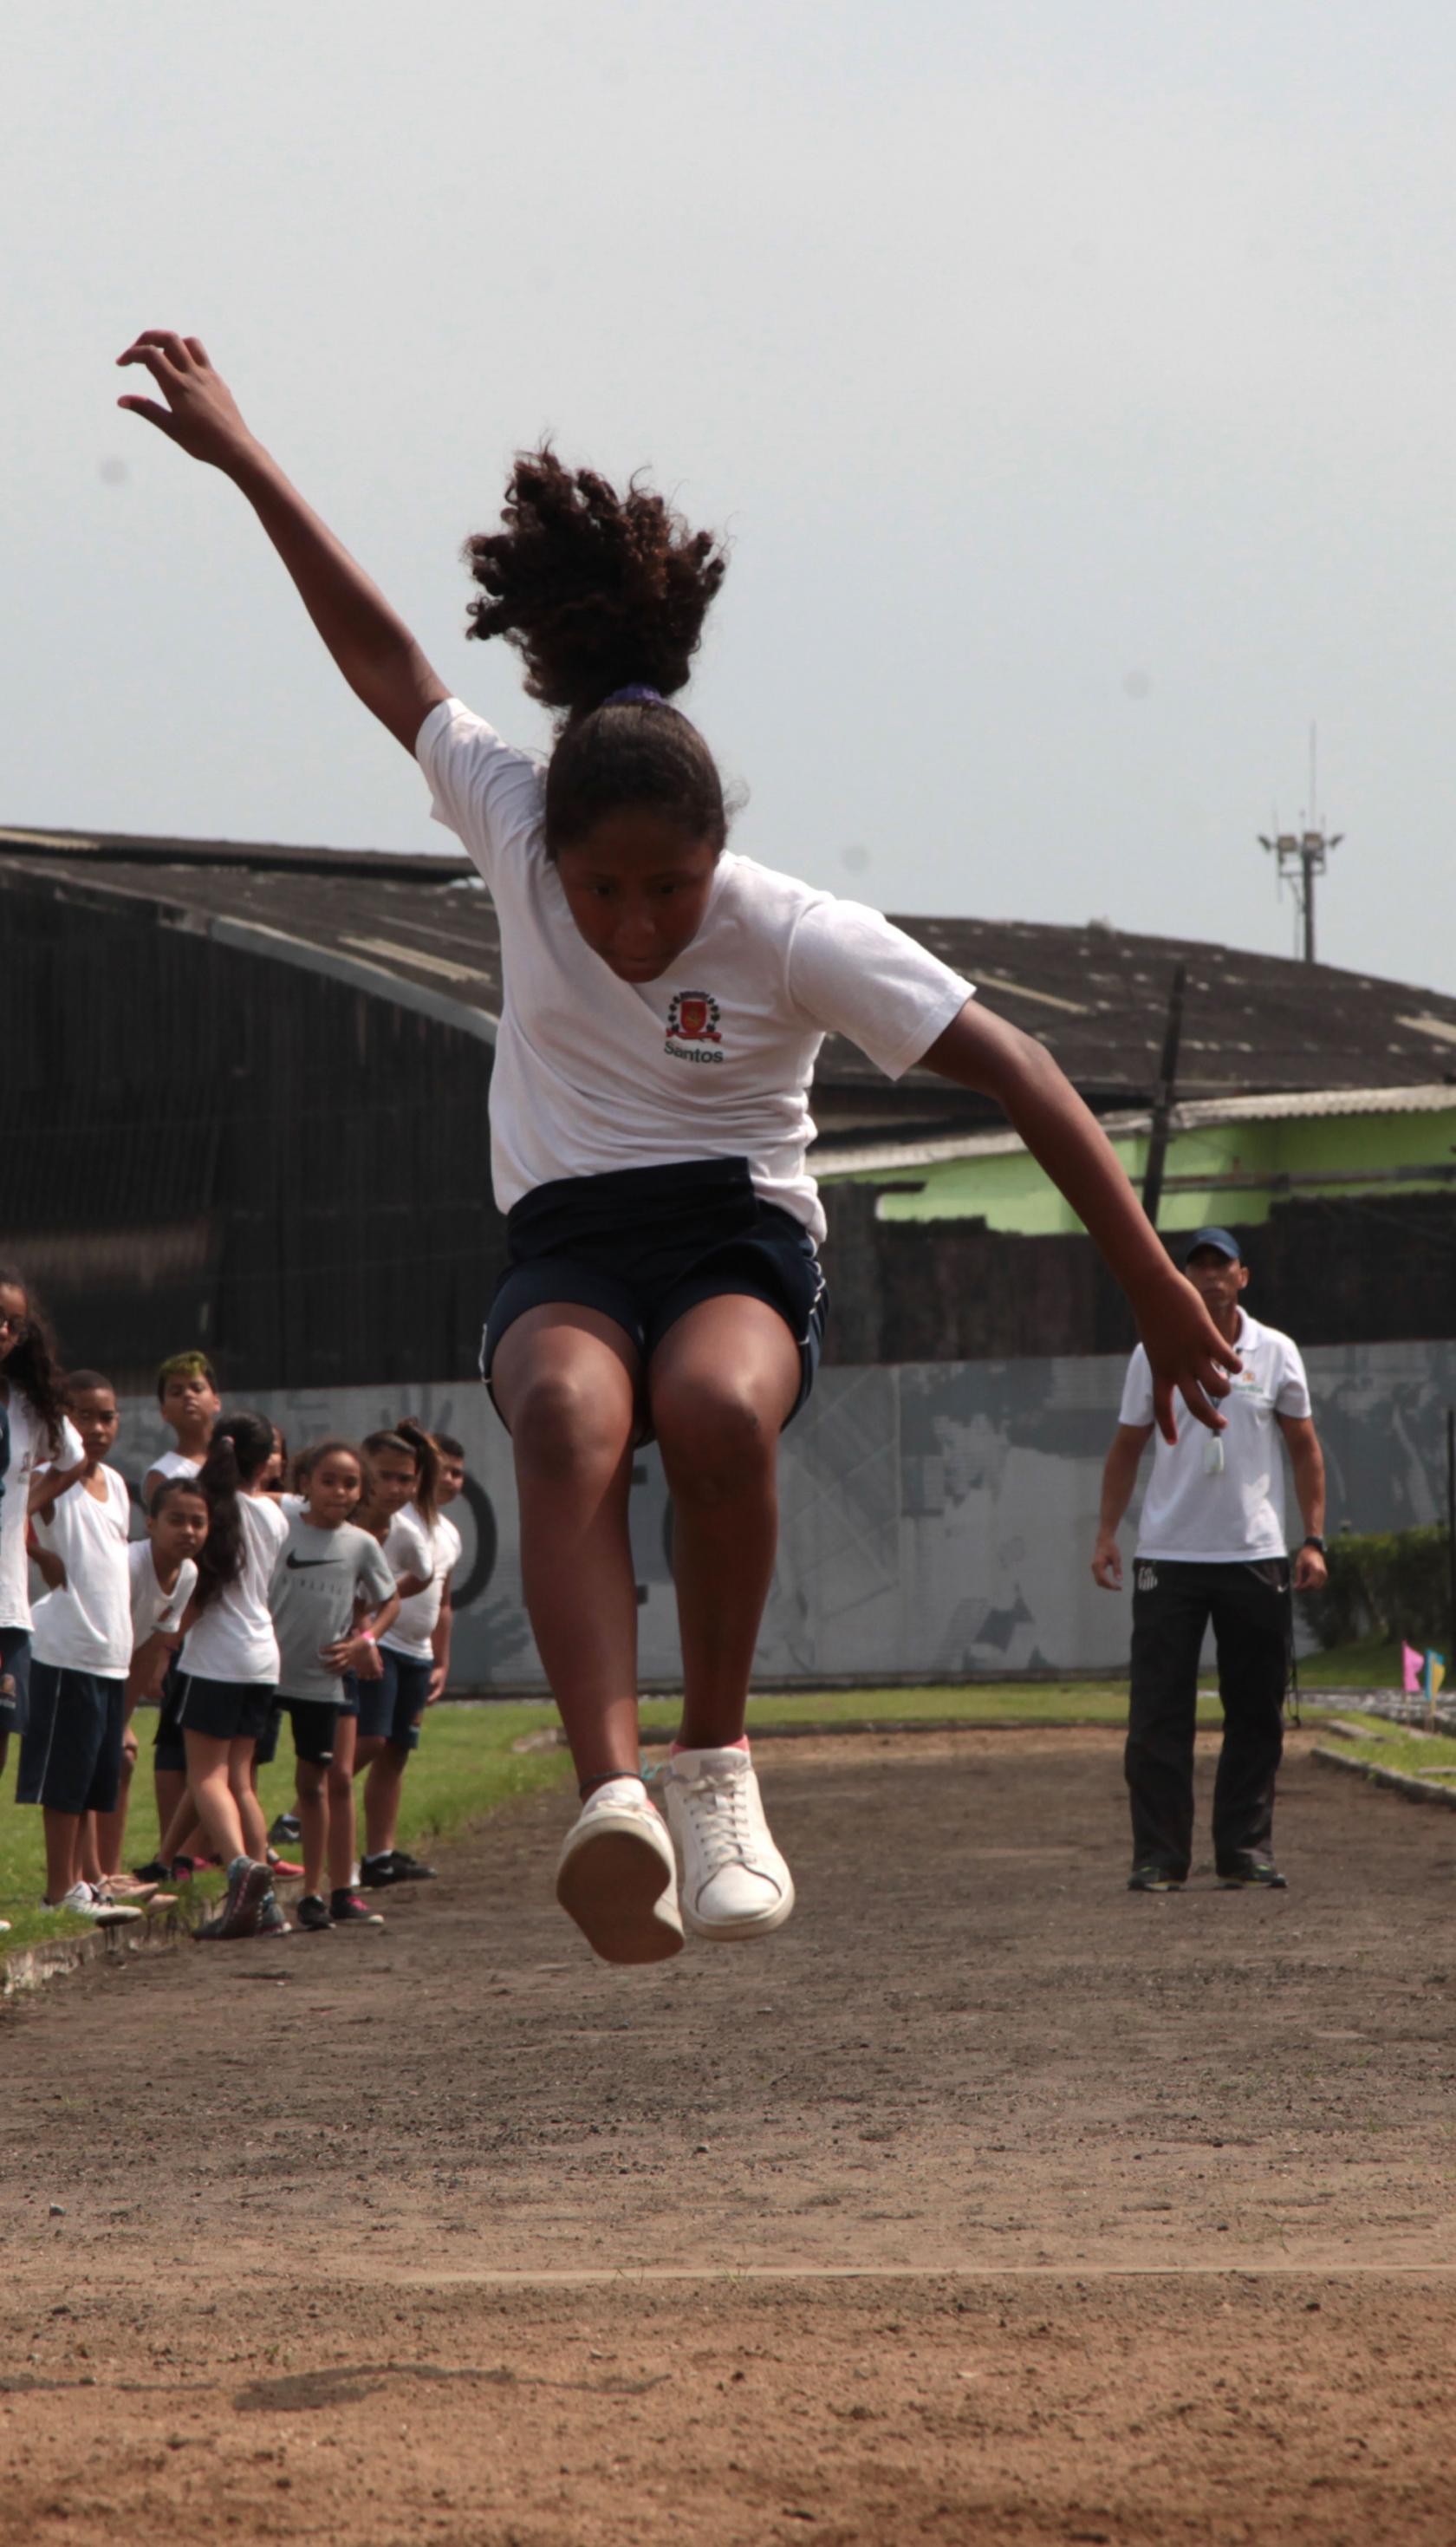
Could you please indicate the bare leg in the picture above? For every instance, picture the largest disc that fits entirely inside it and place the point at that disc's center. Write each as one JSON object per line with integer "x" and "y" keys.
{"x": 721, "y": 1385}
{"x": 170, "y": 1785}
{"x": 88, "y": 1857}
{"x": 242, "y": 1778}
{"x": 340, "y": 1798}
{"x": 212, "y": 1788}
{"x": 382, "y": 1791}
{"x": 566, "y": 1380}
{"x": 62, "y": 1835}
{"x": 110, "y": 1828}
{"x": 313, "y": 1816}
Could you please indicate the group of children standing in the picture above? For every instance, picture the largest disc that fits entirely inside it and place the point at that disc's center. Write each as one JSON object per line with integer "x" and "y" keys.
{"x": 321, "y": 1593}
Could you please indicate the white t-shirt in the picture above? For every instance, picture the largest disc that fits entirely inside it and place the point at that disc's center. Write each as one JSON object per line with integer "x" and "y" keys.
{"x": 87, "y": 1624}
{"x": 30, "y": 1448}
{"x": 713, "y": 1060}
{"x": 151, "y": 1607}
{"x": 1219, "y": 1499}
{"x": 173, "y": 1463}
{"x": 420, "y": 1614}
{"x": 233, "y": 1639}
{"x": 407, "y": 1549}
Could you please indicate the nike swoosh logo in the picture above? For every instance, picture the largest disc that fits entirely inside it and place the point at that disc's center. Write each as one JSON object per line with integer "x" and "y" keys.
{"x": 300, "y": 1564}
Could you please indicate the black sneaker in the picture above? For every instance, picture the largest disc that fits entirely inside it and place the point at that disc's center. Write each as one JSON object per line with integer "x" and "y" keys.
{"x": 1252, "y": 1874}
{"x": 349, "y": 1911}
{"x": 286, "y": 1827}
{"x": 154, "y": 1873}
{"x": 409, "y": 1870}
{"x": 376, "y": 1871}
{"x": 1155, "y": 1878}
{"x": 312, "y": 1911}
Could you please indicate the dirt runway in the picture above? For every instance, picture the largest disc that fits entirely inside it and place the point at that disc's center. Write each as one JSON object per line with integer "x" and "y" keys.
{"x": 986, "y": 2202}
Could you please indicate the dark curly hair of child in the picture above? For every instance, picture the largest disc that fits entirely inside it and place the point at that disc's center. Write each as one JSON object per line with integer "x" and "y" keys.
{"x": 31, "y": 1363}
{"x": 604, "y": 592}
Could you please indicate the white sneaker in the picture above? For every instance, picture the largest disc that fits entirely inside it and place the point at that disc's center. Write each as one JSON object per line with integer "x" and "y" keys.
{"x": 735, "y": 1883}
{"x": 88, "y": 1905}
{"x": 617, "y": 1878}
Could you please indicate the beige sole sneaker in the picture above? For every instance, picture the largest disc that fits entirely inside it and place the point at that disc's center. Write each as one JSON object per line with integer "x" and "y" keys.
{"x": 617, "y": 1878}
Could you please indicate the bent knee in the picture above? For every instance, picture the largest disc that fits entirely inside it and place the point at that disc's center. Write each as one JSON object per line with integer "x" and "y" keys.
{"x": 560, "y": 1426}
{"x": 715, "y": 1438}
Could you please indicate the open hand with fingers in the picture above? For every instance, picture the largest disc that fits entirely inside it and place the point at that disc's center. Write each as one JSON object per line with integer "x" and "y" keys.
{"x": 200, "y": 413}
{"x": 1187, "y": 1353}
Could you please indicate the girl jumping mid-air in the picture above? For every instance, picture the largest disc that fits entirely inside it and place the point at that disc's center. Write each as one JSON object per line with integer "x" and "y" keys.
{"x": 665, "y": 1001}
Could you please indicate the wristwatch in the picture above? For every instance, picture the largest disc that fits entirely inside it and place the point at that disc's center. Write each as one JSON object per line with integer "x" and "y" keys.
{"x": 1315, "y": 1540}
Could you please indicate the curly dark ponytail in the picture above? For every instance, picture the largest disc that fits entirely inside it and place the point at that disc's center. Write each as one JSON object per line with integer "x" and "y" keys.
{"x": 29, "y": 1364}
{"x": 603, "y": 592}
{"x": 240, "y": 1448}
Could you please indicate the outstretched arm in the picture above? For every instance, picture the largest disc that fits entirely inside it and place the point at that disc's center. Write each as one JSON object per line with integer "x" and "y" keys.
{"x": 1184, "y": 1347}
{"x": 372, "y": 649}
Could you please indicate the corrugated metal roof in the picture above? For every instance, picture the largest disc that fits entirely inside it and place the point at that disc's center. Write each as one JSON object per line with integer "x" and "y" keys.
{"x": 421, "y": 930}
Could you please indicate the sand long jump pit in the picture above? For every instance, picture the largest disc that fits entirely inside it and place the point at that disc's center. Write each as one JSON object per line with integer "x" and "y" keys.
{"x": 985, "y": 2202}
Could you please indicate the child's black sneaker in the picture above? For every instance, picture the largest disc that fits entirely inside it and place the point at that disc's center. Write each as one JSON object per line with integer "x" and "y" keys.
{"x": 409, "y": 1870}
{"x": 286, "y": 1829}
{"x": 312, "y": 1911}
{"x": 350, "y": 1910}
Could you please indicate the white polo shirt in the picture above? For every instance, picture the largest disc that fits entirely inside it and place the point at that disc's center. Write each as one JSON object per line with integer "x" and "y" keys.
{"x": 1199, "y": 1509}
{"x": 713, "y": 1060}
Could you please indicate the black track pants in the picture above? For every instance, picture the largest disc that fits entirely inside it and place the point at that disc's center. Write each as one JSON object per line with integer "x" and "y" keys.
{"x": 1172, "y": 1604}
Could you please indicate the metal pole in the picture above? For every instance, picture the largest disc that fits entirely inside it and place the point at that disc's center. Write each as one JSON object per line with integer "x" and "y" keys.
{"x": 1162, "y": 1104}
{"x": 1307, "y": 861}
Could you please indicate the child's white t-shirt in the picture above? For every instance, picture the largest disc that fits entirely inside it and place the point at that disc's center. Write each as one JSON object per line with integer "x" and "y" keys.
{"x": 173, "y": 1463}
{"x": 1218, "y": 1498}
{"x": 29, "y": 1449}
{"x": 234, "y": 1639}
{"x": 86, "y": 1625}
{"x": 408, "y": 1550}
{"x": 419, "y": 1615}
{"x": 712, "y": 1060}
{"x": 151, "y": 1607}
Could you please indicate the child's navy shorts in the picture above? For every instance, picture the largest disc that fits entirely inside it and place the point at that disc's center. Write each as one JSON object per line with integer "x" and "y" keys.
{"x": 71, "y": 1757}
{"x": 231, "y": 1711}
{"x": 645, "y": 1245}
{"x": 314, "y": 1721}
{"x": 388, "y": 1708}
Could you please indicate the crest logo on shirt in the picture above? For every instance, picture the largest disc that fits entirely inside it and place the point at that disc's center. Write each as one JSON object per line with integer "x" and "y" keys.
{"x": 692, "y": 1017}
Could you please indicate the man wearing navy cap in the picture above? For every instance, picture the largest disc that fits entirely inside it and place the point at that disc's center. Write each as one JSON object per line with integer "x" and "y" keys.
{"x": 1211, "y": 1547}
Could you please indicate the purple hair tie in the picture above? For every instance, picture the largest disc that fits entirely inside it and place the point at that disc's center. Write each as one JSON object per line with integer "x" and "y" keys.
{"x": 635, "y": 695}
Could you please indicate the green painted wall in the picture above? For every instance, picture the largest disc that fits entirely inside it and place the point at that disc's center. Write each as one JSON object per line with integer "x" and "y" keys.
{"x": 1012, "y": 1194}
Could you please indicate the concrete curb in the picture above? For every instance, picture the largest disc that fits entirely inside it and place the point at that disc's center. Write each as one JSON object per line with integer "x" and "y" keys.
{"x": 30, "y": 1967}
{"x": 1421, "y": 1791}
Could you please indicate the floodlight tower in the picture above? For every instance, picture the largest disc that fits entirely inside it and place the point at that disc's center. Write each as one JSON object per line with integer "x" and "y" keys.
{"x": 1303, "y": 855}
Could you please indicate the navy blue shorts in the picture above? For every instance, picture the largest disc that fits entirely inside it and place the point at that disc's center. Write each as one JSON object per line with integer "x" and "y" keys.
{"x": 70, "y": 1755}
{"x": 348, "y": 1692}
{"x": 265, "y": 1749}
{"x": 645, "y": 1245}
{"x": 388, "y": 1708}
{"x": 231, "y": 1711}
{"x": 15, "y": 1678}
{"x": 314, "y": 1721}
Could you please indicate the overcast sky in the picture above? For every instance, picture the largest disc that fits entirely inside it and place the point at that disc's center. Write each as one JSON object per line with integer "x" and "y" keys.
{"x": 1074, "y": 384}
